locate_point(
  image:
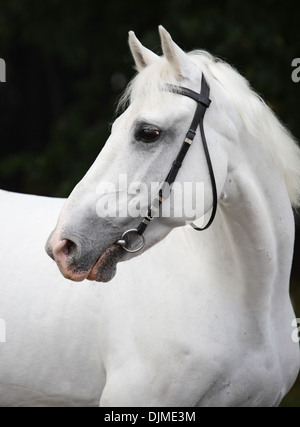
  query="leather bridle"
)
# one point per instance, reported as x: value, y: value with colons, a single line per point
x: 129, y: 237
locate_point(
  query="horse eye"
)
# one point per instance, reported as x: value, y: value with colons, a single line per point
x: 148, y: 134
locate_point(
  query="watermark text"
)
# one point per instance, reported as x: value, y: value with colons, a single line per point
x: 123, y: 199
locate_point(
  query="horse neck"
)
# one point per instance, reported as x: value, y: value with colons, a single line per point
x: 250, y: 244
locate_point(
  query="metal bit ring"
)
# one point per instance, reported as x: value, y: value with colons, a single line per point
x: 124, y: 243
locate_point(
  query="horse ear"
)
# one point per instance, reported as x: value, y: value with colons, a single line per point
x: 179, y: 60
x: 141, y: 55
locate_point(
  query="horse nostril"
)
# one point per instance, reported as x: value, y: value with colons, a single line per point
x: 68, y: 256
x: 64, y: 249
x: 69, y: 248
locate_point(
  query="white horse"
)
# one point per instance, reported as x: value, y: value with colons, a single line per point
x: 199, y: 318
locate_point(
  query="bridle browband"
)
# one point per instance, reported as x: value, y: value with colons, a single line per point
x: 203, y: 102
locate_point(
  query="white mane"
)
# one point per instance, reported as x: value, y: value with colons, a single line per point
x: 258, y: 118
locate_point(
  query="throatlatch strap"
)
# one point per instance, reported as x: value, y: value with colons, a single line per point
x: 212, y: 179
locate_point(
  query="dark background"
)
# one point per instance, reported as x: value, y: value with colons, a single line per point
x: 68, y: 61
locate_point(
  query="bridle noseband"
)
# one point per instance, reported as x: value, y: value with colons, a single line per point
x: 203, y: 102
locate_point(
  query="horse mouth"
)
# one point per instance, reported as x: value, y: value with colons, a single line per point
x: 77, y: 267
x: 105, y: 267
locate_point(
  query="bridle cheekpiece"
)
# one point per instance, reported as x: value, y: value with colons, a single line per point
x: 203, y: 102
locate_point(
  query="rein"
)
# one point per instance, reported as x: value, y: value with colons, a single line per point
x: 129, y: 240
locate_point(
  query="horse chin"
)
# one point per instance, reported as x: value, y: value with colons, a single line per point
x: 105, y: 267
